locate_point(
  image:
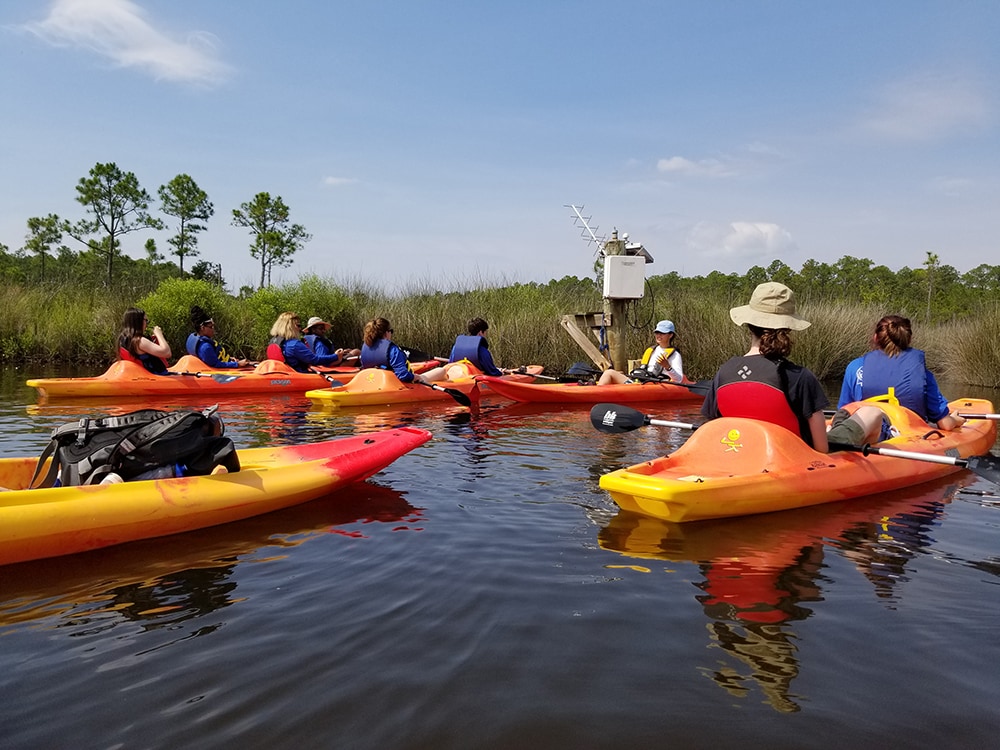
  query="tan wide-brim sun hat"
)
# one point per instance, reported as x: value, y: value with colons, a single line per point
x: 772, y: 305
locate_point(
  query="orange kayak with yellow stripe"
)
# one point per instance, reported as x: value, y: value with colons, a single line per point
x: 63, y: 520
x: 735, y: 467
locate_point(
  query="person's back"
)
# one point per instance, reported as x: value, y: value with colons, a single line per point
x: 474, y: 347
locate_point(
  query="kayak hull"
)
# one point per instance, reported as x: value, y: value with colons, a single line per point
x: 736, y: 467
x: 41, y: 523
x: 131, y: 379
x: 575, y: 393
x: 378, y: 387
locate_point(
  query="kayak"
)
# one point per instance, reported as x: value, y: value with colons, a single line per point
x: 583, y: 393
x: 735, y: 467
x: 377, y: 387
x: 465, y: 369
x: 131, y: 379
x: 41, y: 523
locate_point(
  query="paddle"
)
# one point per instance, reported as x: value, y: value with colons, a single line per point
x: 702, y: 387
x: 615, y: 418
x: 218, y: 377
x: 987, y: 466
x: 459, y: 397
x: 979, y: 416
x: 329, y: 378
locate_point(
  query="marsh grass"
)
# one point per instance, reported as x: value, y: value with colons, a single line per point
x: 70, y: 323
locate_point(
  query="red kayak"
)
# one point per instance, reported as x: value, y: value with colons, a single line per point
x: 577, y: 393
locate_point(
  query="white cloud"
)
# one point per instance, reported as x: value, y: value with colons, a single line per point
x: 337, y: 181
x: 119, y: 31
x: 686, y: 167
x: 928, y: 107
x: 740, y: 240
x: 952, y: 187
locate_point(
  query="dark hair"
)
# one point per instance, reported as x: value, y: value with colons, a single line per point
x: 775, y: 343
x: 133, y: 329
x: 375, y: 329
x: 198, y: 317
x: 893, y: 334
x: 477, y: 326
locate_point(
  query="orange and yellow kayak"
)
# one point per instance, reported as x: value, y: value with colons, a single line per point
x: 577, y: 393
x: 735, y: 467
x: 62, y: 520
x: 377, y: 387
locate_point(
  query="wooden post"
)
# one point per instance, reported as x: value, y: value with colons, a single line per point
x: 614, y: 310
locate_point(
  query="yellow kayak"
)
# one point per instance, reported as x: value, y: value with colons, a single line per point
x: 735, y: 467
x: 377, y: 387
x: 62, y: 520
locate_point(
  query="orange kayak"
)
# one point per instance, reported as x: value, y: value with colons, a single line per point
x: 735, y: 467
x: 63, y: 520
x: 188, y: 376
x: 377, y: 387
x: 577, y: 393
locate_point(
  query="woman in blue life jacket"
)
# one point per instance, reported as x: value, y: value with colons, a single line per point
x: 135, y: 346
x: 893, y: 363
x: 662, y: 360
x: 202, y: 344
x: 316, y: 331
x: 475, y: 348
x: 379, y: 350
x: 763, y: 384
x: 286, y: 345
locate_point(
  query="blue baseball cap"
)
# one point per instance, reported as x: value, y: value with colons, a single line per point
x: 665, y: 326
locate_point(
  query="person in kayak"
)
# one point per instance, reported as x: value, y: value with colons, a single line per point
x: 202, y: 344
x: 475, y: 348
x: 286, y: 345
x: 316, y: 331
x: 135, y: 346
x: 379, y: 350
x: 763, y: 384
x: 893, y: 363
x: 662, y: 360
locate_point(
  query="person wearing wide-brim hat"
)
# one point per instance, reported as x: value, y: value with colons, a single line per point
x: 661, y: 361
x: 763, y: 384
x: 316, y: 331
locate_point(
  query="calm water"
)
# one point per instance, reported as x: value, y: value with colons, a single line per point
x: 483, y: 592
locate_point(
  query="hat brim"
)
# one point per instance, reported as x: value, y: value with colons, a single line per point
x: 744, y: 314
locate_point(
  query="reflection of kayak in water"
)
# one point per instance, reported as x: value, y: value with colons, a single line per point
x: 112, y: 573
x: 62, y: 520
x: 737, y: 467
x: 745, y: 559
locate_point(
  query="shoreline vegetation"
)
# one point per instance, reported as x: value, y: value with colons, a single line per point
x: 77, y: 324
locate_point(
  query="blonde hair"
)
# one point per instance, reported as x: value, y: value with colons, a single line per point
x: 375, y: 329
x: 287, y: 326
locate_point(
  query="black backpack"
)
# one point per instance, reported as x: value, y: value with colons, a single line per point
x: 86, y: 451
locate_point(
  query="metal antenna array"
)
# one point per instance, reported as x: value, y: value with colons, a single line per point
x: 586, y: 232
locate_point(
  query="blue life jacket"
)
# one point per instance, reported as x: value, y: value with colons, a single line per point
x: 906, y: 373
x: 193, y: 341
x: 376, y: 356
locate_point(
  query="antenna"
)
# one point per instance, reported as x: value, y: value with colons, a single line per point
x: 586, y: 232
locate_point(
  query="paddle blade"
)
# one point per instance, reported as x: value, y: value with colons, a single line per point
x: 615, y: 418
x: 988, y: 467
x: 219, y: 378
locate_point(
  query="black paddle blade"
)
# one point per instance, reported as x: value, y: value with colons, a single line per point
x: 988, y: 467
x: 581, y: 370
x: 615, y: 418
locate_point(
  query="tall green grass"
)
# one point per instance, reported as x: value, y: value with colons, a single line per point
x: 70, y: 323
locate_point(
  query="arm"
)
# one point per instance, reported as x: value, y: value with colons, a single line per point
x: 850, y: 389
x: 158, y: 347
x: 296, y: 349
x: 817, y: 429
x: 937, y: 406
x: 210, y: 356
x: 486, y: 360
x: 674, y: 366
x: 400, y: 364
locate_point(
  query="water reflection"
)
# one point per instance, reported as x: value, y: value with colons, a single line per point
x: 166, y: 581
x: 759, y: 572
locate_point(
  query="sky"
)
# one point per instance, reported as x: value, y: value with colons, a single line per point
x: 443, y: 142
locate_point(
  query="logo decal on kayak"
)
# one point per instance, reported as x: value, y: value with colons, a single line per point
x: 281, y: 382
x: 732, y: 441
